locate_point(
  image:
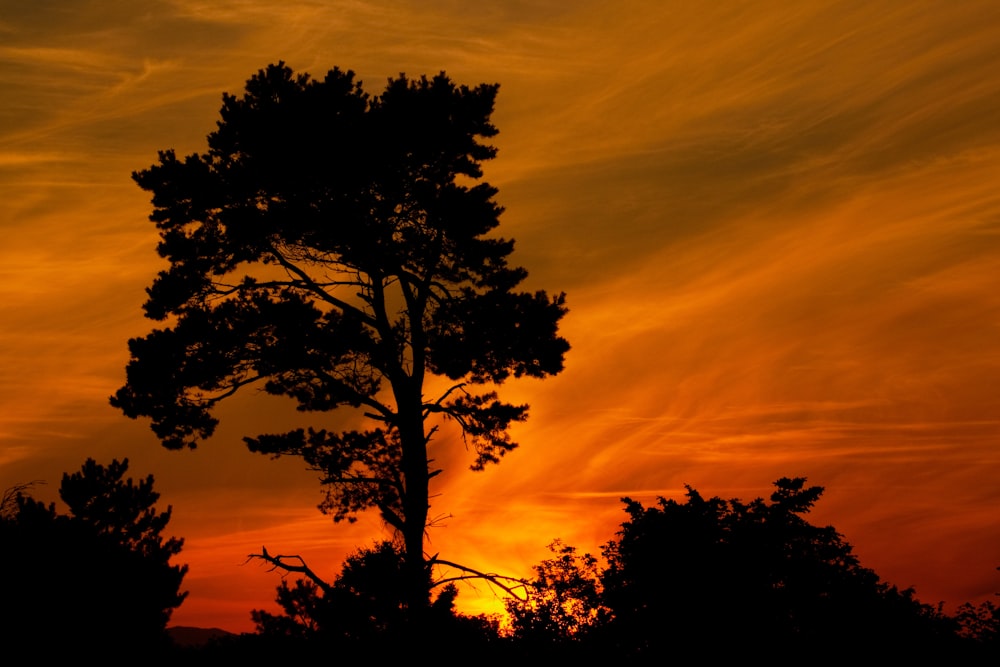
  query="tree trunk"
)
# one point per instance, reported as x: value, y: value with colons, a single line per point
x: 415, y: 508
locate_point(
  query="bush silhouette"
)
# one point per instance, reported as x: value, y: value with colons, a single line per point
x: 724, y: 579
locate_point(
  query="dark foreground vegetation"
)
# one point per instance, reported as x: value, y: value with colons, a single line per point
x: 95, y: 582
x: 707, y: 579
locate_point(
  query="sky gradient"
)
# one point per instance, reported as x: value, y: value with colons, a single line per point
x: 778, y: 228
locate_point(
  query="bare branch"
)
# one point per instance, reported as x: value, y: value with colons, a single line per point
x: 515, y: 588
x: 436, y: 405
x: 8, y: 501
x: 278, y: 563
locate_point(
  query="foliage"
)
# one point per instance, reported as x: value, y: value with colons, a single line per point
x: 757, y: 572
x: 725, y: 579
x: 980, y: 624
x: 334, y: 248
x: 122, y: 511
x: 365, y: 606
x: 366, y: 598
x: 564, y: 601
x: 98, y: 579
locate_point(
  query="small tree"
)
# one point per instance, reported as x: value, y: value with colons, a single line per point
x: 365, y: 601
x: 563, y: 602
x: 98, y: 579
x: 334, y: 248
x: 364, y: 610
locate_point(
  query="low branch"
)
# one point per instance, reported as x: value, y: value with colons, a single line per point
x: 278, y: 563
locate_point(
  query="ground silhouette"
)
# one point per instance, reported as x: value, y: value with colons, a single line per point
x: 706, y: 578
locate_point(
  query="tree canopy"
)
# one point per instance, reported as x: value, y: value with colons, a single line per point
x: 721, y: 579
x: 98, y: 579
x: 336, y: 248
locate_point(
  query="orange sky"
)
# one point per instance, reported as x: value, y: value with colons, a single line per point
x: 778, y: 226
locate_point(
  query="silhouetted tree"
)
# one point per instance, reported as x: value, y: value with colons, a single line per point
x: 979, y: 625
x: 365, y: 600
x: 564, y: 602
x: 365, y: 609
x: 723, y: 579
x: 756, y: 575
x: 95, y: 582
x: 334, y: 248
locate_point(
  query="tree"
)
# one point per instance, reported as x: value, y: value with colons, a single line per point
x: 361, y: 613
x: 365, y: 602
x: 723, y: 579
x: 979, y: 625
x: 98, y: 579
x: 758, y: 574
x: 363, y: 606
x: 334, y: 248
x: 564, y: 601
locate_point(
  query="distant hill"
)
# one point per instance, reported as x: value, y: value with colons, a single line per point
x: 187, y: 636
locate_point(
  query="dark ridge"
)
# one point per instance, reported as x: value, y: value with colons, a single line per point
x: 185, y: 636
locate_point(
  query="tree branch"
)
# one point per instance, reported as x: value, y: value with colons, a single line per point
x: 208, y: 401
x: 315, y: 288
x: 436, y: 405
x: 278, y: 563
x: 515, y: 589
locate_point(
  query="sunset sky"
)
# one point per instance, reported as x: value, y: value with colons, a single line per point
x: 777, y: 225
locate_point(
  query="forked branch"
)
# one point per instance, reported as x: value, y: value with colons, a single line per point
x: 511, y: 585
x: 278, y: 562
